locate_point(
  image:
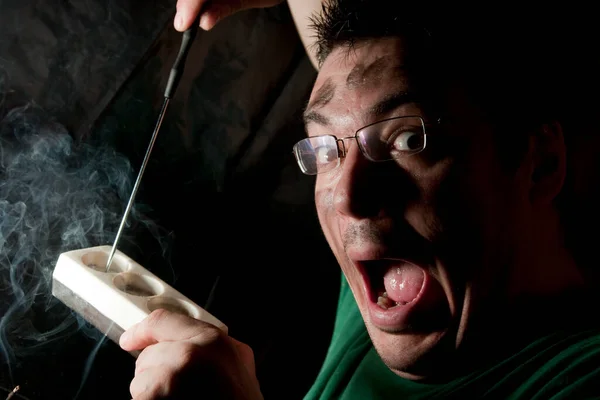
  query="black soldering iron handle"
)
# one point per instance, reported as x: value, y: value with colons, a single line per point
x: 179, y: 65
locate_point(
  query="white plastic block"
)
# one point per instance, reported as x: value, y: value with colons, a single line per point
x: 125, y: 295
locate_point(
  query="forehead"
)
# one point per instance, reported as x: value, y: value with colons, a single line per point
x: 352, y: 82
x: 368, y: 65
x: 383, y: 78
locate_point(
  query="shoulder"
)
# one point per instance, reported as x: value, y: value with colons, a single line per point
x: 568, y: 365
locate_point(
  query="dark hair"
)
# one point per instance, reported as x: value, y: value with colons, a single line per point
x: 343, y: 23
x: 522, y: 67
x: 541, y: 61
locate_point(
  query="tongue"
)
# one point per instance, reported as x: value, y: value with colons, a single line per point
x: 403, y: 283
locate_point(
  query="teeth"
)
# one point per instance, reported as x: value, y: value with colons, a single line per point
x: 384, y: 301
x: 381, y: 302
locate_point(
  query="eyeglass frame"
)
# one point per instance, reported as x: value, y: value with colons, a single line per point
x: 342, y: 152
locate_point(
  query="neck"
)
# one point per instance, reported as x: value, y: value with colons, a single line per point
x: 511, y: 327
x: 547, y: 268
x: 545, y: 293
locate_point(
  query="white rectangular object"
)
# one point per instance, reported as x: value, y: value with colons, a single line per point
x: 124, y: 296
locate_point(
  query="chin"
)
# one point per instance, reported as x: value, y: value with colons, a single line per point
x: 413, y: 337
x: 414, y: 356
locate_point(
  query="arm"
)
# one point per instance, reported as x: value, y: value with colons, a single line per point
x: 301, y: 10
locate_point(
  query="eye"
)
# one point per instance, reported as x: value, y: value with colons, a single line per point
x: 408, y: 141
x: 325, y: 154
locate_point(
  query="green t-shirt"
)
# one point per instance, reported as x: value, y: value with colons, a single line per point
x: 557, y: 366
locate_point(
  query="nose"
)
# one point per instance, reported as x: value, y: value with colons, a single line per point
x: 357, y: 192
x: 369, y: 189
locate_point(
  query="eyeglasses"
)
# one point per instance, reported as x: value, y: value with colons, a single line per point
x: 384, y: 140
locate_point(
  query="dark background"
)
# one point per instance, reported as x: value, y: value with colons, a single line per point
x: 222, y: 183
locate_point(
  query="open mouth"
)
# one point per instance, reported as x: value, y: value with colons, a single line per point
x: 393, y: 283
x: 403, y: 296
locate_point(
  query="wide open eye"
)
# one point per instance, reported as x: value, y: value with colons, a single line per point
x: 408, y: 141
x: 326, y: 154
x: 317, y: 154
x: 392, y: 138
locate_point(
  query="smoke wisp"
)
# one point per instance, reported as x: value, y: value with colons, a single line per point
x: 56, y: 195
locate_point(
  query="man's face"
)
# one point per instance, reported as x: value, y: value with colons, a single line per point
x: 437, y: 231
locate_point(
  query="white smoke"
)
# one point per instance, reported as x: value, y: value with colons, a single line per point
x: 56, y: 195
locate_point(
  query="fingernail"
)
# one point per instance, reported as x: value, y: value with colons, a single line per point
x: 179, y: 21
x: 124, y: 338
x: 204, y: 22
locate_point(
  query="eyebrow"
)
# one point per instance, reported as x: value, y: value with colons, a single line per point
x: 313, y: 116
x: 391, y: 102
x: 384, y: 106
x: 323, y: 95
x: 322, y: 98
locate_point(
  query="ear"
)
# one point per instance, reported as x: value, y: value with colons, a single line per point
x: 549, y: 163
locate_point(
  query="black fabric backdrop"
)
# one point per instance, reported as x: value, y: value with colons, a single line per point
x: 222, y: 183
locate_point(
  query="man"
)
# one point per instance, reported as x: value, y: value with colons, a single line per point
x: 438, y: 145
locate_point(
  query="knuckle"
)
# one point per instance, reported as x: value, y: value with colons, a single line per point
x: 139, y: 365
x: 142, y: 361
x: 139, y: 361
x: 211, y: 335
x: 168, y: 383
x: 163, y: 385
x: 136, y: 388
x: 249, y: 351
x: 187, y: 355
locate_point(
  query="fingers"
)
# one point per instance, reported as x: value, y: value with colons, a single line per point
x: 152, y: 383
x: 224, y: 8
x: 177, y: 350
x: 166, y: 326
x: 187, y: 10
x: 172, y: 355
x: 161, y: 369
x: 217, y: 11
x: 213, y: 11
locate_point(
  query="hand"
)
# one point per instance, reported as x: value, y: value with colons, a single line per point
x: 213, y: 11
x: 186, y: 358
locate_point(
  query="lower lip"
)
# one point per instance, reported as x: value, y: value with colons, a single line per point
x: 398, y: 318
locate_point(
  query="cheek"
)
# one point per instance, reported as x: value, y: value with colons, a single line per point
x: 426, y: 208
x: 475, y: 204
x: 325, y: 207
x: 325, y: 195
x: 328, y: 216
x: 324, y: 200
x: 460, y: 199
